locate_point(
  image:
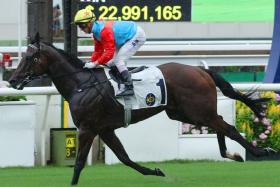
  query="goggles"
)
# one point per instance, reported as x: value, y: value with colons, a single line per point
x: 82, y: 25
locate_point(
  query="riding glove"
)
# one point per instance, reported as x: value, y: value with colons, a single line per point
x: 90, y: 65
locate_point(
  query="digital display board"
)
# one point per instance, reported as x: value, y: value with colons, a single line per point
x: 140, y: 10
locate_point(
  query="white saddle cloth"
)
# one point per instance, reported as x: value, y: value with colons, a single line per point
x: 150, y: 90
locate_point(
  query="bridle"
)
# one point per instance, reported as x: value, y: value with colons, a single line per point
x: 30, y: 75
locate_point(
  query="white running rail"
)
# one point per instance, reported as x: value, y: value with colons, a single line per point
x: 49, y: 91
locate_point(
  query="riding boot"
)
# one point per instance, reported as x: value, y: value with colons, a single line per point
x: 127, y: 90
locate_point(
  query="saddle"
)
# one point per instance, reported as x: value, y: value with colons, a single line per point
x: 149, y: 88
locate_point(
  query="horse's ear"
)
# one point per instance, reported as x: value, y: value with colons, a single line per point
x: 37, y: 38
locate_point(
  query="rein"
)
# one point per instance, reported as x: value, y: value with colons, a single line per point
x: 67, y: 74
x: 81, y: 87
x: 91, y: 82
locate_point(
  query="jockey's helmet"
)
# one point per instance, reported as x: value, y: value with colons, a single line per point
x: 84, y: 15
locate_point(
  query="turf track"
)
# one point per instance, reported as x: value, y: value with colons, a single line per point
x: 179, y: 174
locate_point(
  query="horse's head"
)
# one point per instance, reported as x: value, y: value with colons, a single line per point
x: 31, y: 66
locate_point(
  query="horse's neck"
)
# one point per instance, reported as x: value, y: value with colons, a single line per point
x: 65, y: 75
x: 68, y: 77
x: 65, y: 80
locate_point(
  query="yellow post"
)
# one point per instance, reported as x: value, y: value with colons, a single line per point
x: 65, y: 114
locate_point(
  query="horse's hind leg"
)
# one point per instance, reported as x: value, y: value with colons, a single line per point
x: 85, y: 139
x: 116, y: 146
x: 223, y: 149
x: 221, y: 127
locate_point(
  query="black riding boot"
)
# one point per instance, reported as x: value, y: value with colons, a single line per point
x: 128, y: 85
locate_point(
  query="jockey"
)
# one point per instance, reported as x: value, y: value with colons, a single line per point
x: 115, y: 42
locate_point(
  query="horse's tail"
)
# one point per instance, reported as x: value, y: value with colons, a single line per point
x: 256, y: 105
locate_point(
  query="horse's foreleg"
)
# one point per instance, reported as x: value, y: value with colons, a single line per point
x: 116, y: 146
x: 85, y: 139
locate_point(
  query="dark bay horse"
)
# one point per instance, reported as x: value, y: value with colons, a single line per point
x: 192, y: 98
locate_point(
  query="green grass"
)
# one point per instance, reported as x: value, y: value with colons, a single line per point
x: 179, y: 174
x: 233, y: 11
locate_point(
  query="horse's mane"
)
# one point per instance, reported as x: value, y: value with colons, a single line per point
x: 70, y: 57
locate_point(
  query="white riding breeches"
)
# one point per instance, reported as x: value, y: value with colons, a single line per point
x: 128, y: 49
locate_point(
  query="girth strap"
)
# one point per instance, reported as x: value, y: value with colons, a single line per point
x: 127, y: 110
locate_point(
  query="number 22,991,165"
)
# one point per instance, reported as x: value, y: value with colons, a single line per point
x: 162, y: 13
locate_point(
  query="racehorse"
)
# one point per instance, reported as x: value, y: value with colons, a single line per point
x: 192, y: 98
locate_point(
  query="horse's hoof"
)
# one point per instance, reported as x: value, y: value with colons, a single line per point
x: 159, y: 172
x: 74, y: 183
x: 238, y: 158
x: 270, y: 151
